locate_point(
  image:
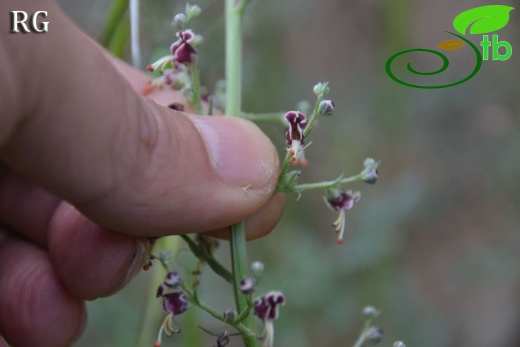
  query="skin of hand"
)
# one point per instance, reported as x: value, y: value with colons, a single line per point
x: 89, y: 167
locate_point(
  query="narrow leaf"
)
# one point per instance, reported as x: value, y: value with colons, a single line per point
x: 483, y: 19
x: 451, y: 45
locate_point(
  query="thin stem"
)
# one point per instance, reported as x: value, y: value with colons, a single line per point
x: 233, y: 59
x: 218, y: 268
x: 244, y: 314
x: 234, y: 16
x: 362, y: 337
x: 233, y: 108
x: 315, y: 116
x: 116, y: 13
x: 326, y: 184
x: 195, y: 87
x: 214, y: 313
x: 239, y: 263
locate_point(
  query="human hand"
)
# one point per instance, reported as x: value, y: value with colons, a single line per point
x: 83, y: 156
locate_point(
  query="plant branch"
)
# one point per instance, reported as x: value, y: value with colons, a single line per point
x: 218, y: 268
x: 195, y: 87
x: 234, y: 15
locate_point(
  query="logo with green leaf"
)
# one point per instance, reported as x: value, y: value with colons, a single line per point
x: 476, y: 21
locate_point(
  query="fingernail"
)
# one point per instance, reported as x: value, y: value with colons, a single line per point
x: 135, y: 264
x: 242, y: 154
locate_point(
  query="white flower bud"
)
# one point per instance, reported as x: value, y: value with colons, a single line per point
x: 399, y: 344
x: 193, y: 11
x: 257, y: 268
x: 370, y: 312
x: 321, y: 88
x: 180, y: 20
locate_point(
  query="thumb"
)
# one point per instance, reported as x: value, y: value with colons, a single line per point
x: 79, y: 130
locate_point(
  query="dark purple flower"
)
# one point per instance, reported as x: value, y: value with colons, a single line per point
x: 340, y: 200
x: 297, y: 123
x: 181, y: 49
x: 266, y: 307
x: 175, y: 303
x: 294, y: 136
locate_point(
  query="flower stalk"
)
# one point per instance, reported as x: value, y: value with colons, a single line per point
x: 234, y: 17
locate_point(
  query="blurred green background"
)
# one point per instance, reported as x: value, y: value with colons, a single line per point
x: 435, y: 244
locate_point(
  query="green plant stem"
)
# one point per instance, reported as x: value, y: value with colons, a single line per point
x: 218, y: 268
x: 239, y: 263
x: 362, y: 337
x: 326, y: 184
x: 195, y: 87
x: 315, y: 116
x: 116, y: 14
x: 237, y: 240
x: 233, y: 59
x: 194, y: 299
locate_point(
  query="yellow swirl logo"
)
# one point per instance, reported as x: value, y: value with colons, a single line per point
x: 479, y: 20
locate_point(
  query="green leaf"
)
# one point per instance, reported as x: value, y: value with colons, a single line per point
x: 483, y: 19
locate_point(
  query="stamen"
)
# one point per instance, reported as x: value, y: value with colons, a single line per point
x: 268, y: 334
x: 159, y: 336
x: 342, y: 224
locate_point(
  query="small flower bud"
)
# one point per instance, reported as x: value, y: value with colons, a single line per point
x: 173, y: 279
x: 399, y: 344
x: 370, y: 173
x: 257, y: 268
x: 326, y: 108
x: 370, y: 312
x: 230, y: 315
x: 247, y: 285
x: 374, y: 335
x: 321, y: 88
x: 165, y: 257
x: 179, y: 21
x: 193, y: 11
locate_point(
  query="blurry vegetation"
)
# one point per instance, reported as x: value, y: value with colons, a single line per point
x: 435, y: 244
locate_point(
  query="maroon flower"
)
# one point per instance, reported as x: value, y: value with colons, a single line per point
x: 340, y: 200
x: 175, y: 303
x: 181, y: 49
x: 294, y: 136
x: 266, y: 307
